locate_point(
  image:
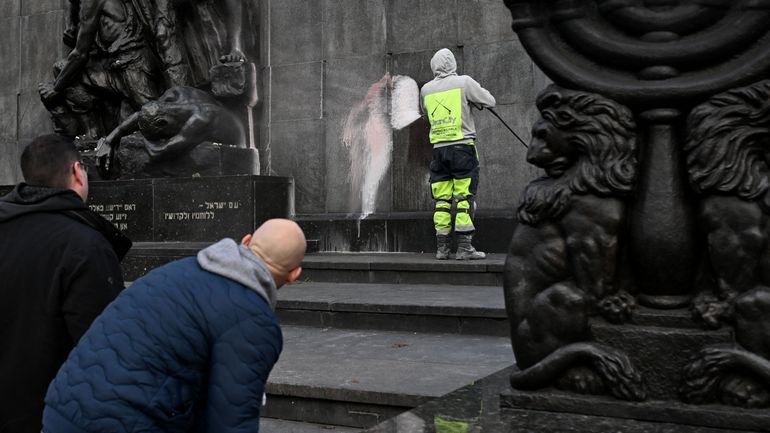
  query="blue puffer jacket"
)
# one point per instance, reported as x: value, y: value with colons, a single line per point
x: 184, y: 349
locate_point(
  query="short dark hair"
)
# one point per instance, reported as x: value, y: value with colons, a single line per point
x: 46, y: 161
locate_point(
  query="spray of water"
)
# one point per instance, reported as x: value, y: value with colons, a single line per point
x: 390, y: 103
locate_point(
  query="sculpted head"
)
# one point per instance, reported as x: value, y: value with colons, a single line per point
x: 586, y: 144
x: 280, y: 243
x: 157, y: 120
x: 728, y: 144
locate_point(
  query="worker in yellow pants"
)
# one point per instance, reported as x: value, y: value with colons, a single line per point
x: 454, y: 177
x: 454, y: 171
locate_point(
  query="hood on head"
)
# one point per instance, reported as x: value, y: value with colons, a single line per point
x: 443, y: 63
x: 26, y: 199
x: 238, y: 263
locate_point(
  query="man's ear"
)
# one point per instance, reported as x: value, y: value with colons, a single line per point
x: 246, y: 239
x: 293, y: 275
x: 77, y: 170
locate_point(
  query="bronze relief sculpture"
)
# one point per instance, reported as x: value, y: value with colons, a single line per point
x: 565, y: 253
x: 132, y: 57
x: 660, y: 227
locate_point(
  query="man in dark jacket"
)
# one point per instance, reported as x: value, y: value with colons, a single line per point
x: 57, y: 273
x: 186, y: 348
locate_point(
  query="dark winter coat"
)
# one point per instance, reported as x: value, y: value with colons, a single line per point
x: 57, y: 273
x: 186, y: 348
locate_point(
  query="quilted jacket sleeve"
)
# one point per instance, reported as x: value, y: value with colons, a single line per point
x: 241, y: 361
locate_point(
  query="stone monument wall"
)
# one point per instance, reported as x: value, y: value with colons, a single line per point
x: 324, y: 56
x: 30, y: 41
x: 316, y: 61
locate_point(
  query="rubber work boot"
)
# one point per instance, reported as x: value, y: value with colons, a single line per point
x: 465, y: 250
x: 442, y: 247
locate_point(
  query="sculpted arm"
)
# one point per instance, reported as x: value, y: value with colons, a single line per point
x: 90, y: 11
x: 127, y: 127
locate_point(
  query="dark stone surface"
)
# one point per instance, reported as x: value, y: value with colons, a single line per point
x: 498, y: 150
x: 346, y: 82
x: 658, y: 353
x: 33, y: 7
x: 493, y: 65
x: 436, y: 308
x: 130, y: 205
x: 10, y: 8
x: 10, y: 172
x: 296, y: 91
x: 354, y: 28
x: 395, y: 322
x: 480, y: 23
x: 479, y: 405
x: 195, y: 210
x: 192, y: 209
x: 37, y: 58
x: 328, y: 411
x: 10, y: 32
x: 721, y: 417
x: 416, y: 64
x: 33, y: 118
x: 412, y: 25
x: 204, y: 160
x: 337, y: 157
x: 295, y: 31
x: 399, y: 231
x: 411, y: 158
x: 8, y: 126
x: 298, y: 151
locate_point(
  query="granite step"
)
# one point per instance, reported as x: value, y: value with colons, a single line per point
x: 454, y: 309
x: 358, y: 378
x: 272, y: 425
x: 375, y: 268
x: 401, y: 268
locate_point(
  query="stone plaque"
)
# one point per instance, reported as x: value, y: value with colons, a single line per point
x: 128, y: 205
x: 203, y: 209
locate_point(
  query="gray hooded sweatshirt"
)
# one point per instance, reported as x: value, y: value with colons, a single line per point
x: 238, y: 263
x: 445, y: 100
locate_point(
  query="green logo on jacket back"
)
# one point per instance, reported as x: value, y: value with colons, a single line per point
x: 445, y: 115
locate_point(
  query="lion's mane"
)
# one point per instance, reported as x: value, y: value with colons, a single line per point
x: 604, y: 134
x: 726, y: 140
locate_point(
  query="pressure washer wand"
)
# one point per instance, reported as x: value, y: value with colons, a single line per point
x: 503, y: 122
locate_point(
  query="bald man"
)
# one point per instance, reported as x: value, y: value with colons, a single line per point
x: 188, y: 347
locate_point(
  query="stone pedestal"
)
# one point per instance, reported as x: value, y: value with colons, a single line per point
x: 202, y: 209
x: 659, y: 343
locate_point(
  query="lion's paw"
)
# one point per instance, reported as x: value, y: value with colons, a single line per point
x: 743, y: 391
x: 711, y: 311
x: 581, y: 380
x: 617, y: 308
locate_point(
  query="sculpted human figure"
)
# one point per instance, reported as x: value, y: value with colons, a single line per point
x: 563, y: 261
x: 728, y: 151
x: 110, y: 64
x: 179, y: 120
x: 162, y: 16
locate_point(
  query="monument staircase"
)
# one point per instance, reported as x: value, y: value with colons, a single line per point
x: 370, y: 335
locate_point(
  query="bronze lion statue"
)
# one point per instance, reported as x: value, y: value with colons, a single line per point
x: 727, y: 151
x: 563, y: 262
